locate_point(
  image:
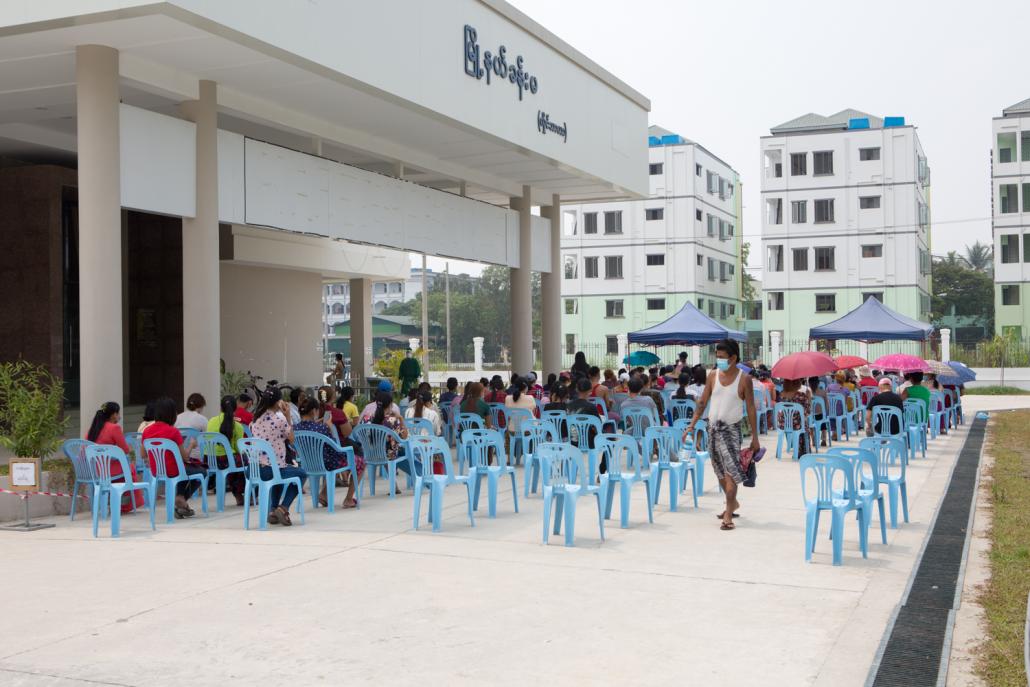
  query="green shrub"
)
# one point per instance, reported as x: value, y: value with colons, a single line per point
x: 31, y: 401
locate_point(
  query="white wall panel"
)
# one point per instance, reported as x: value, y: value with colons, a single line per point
x: 231, y: 191
x: 158, y: 162
x: 541, y: 233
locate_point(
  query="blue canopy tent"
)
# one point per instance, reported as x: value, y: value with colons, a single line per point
x: 872, y: 322
x: 688, y: 327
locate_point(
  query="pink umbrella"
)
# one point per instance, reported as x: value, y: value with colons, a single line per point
x: 846, y: 362
x: 804, y: 364
x: 900, y: 362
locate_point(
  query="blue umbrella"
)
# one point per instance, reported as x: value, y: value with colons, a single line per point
x: 962, y: 371
x: 641, y: 359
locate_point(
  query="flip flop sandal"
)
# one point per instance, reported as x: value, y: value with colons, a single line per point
x: 353, y: 504
x: 719, y: 516
x: 181, y: 513
x: 727, y: 526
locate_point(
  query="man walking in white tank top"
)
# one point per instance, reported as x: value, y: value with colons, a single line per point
x: 725, y: 388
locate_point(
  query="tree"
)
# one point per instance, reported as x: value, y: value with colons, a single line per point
x: 747, y: 286
x: 980, y: 257
x: 960, y: 290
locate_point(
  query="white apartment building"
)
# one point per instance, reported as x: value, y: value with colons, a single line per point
x: 336, y: 295
x: 845, y: 216
x: 1010, y: 179
x: 631, y: 264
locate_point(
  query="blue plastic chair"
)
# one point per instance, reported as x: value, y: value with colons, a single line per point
x: 135, y: 442
x: 938, y: 413
x: 189, y: 434
x: 558, y: 420
x: 624, y: 467
x: 635, y: 422
x: 311, y: 448
x: 562, y: 489
x: 466, y: 421
x: 784, y: 415
x: 956, y: 406
x: 580, y: 428
x: 681, y: 409
x: 424, y: 450
x: 915, y: 429
x: 419, y: 426
x: 857, y: 413
x: 660, y: 448
x: 156, y: 450
x: 209, y: 443
x: 476, y: 445
x: 826, y: 467
x: 517, y: 416
x: 697, y: 447
x: 531, y: 434
x: 838, y: 407
x: 890, y: 452
x: 498, y: 415
x: 99, y: 459
x: 253, y: 450
x: 375, y: 442
x: 867, y: 478
x: 759, y: 393
x: 75, y: 451
x: 821, y: 424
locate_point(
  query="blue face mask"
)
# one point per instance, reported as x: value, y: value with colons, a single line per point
x: 722, y: 363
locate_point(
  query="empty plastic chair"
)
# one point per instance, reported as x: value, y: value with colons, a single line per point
x: 311, y: 448
x: 531, y: 434
x: 790, y: 428
x: 697, y: 448
x: 819, y: 421
x: 938, y: 414
x: 75, y: 451
x: 210, y: 442
x: 661, y: 450
x: 624, y: 464
x: 581, y: 428
x: 890, y: 453
x: 159, y: 453
x: 517, y: 416
x: 826, y: 468
x: 478, y: 445
x: 100, y: 459
x: 915, y: 427
x: 562, y: 489
x: 425, y: 451
x: 258, y: 452
x: 867, y: 482
x: 377, y: 444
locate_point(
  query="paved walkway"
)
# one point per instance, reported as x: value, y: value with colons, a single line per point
x: 358, y: 597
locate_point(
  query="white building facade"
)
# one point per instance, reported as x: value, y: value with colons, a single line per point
x: 336, y: 295
x: 1010, y: 220
x: 845, y: 217
x: 632, y: 264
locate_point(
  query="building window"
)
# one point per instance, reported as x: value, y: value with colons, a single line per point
x: 775, y: 300
x: 613, y: 308
x: 396, y: 287
x: 722, y: 311
x: 822, y: 163
x: 1009, y: 248
x: 380, y: 287
x: 868, y: 154
x: 337, y: 308
x: 1007, y: 197
x: 825, y: 302
x: 1026, y: 197
x: 655, y: 259
x: 798, y: 164
x: 773, y: 164
x: 824, y: 211
x: 613, y: 222
x: 800, y: 259
x: 924, y: 215
x: 571, y: 306
x: 724, y: 189
x: 874, y: 250
x: 711, y: 269
x: 1007, y: 146
x: 656, y: 304
x: 824, y: 259
x: 1024, y: 144
x: 799, y: 211
x: 697, y: 170
x: 711, y: 225
x: 878, y: 295
x: 700, y: 303
x: 590, y: 267
x: 570, y: 344
x: 699, y: 215
x: 711, y: 308
x: 774, y: 210
x: 700, y: 259
x: 611, y: 344
x: 613, y: 267
x: 1010, y: 294
x: 868, y: 202
x: 655, y: 168
x: 654, y: 213
x: 1012, y: 331
x: 570, y: 266
x: 732, y: 309
x: 1026, y: 249
x: 775, y: 258
x: 712, y: 182
x: 729, y: 229
x: 589, y: 222
x: 722, y: 229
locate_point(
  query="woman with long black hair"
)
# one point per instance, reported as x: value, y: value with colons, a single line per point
x: 162, y: 428
x: 226, y: 424
x: 271, y: 424
x: 384, y: 416
x: 106, y: 431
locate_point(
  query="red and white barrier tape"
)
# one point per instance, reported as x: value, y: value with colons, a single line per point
x: 26, y: 494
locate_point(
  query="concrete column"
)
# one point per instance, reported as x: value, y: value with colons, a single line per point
x: 413, y: 344
x: 945, y: 345
x: 100, y: 229
x: 695, y: 355
x: 201, y: 316
x: 361, y: 353
x: 521, y: 290
x: 622, y: 341
x: 550, y: 295
x: 775, y: 342
x: 477, y: 353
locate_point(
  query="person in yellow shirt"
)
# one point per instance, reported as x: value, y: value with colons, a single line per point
x: 345, y: 402
x: 232, y: 429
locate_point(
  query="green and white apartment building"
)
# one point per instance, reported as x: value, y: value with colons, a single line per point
x: 1010, y: 184
x: 632, y: 264
x: 845, y: 216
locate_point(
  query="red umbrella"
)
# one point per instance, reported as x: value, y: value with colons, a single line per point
x: 846, y: 362
x: 804, y: 364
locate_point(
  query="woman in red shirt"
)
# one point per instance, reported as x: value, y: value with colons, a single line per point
x: 164, y: 419
x: 106, y: 431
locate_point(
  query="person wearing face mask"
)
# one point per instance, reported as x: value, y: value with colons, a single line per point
x: 725, y: 388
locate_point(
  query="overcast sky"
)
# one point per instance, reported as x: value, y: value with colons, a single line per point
x: 722, y: 73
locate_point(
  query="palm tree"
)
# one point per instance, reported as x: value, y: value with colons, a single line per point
x: 980, y: 257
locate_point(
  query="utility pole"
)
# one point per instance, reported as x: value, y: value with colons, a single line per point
x: 447, y: 308
x: 425, y: 321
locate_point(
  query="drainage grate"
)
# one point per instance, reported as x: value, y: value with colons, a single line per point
x: 912, y: 654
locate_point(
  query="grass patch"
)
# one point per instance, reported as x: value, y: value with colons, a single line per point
x: 996, y: 391
x: 1004, y: 596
